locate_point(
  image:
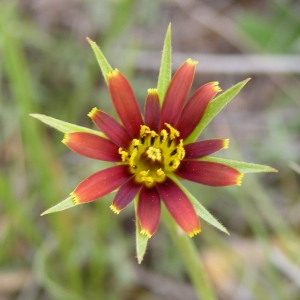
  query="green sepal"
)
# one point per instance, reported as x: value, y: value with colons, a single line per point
x: 141, y: 240
x: 102, y: 61
x: 65, y: 204
x: 213, y: 108
x: 241, y: 166
x: 165, y: 72
x: 201, y: 211
x: 63, y: 126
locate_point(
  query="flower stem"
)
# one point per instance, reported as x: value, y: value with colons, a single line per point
x: 191, y: 258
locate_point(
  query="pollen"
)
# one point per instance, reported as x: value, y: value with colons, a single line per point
x: 173, y: 132
x: 154, y: 154
x: 124, y: 154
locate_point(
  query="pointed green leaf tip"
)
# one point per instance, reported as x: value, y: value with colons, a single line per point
x: 102, y: 61
x: 241, y: 166
x: 63, y: 126
x: 65, y: 204
x: 141, y: 240
x: 213, y: 108
x: 165, y: 72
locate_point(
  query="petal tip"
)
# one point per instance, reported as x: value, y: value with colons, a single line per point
x: 191, y: 62
x: 74, y: 198
x: 152, y: 91
x: 226, y: 144
x: 146, y: 233
x: 194, y: 232
x: 113, y: 74
x: 65, y: 139
x: 115, y: 209
x: 239, y: 179
x: 216, y: 86
x: 93, y: 112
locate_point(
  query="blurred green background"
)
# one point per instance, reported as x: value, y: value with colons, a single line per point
x: 46, y: 66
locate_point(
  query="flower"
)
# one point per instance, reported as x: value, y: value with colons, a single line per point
x: 148, y: 151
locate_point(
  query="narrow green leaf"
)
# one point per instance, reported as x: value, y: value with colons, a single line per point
x: 201, y: 211
x: 102, y: 61
x: 214, y: 107
x: 165, y: 72
x: 141, y: 240
x: 65, y: 204
x: 243, y: 167
x: 63, y: 126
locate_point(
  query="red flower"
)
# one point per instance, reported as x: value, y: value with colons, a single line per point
x: 148, y: 149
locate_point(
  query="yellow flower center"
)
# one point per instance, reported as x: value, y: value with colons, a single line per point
x: 153, y: 155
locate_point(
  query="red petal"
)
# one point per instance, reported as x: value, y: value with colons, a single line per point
x: 195, y: 108
x: 204, y: 148
x: 152, y: 110
x: 179, y: 206
x: 125, y: 103
x: 93, y: 146
x: 100, y: 184
x: 209, y: 173
x: 110, y: 127
x: 125, y: 195
x: 148, y: 210
x: 177, y: 93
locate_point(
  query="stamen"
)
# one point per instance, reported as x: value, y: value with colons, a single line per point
x: 163, y: 136
x: 132, y: 157
x: 173, y: 132
x: 146, y: 130
x: 123, y: 153
x: 145, y: 178
x: 135, y: 143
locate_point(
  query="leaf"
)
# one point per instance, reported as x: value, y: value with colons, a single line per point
x: 65, y: 204
x: 213, y: 108
x: 102, y: 61
x: 201, y: 211
x: 63, y: 126
x: 241, y: 166
x: 165, y: 72
x: 141, y: 240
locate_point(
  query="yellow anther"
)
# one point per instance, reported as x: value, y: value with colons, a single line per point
x: 164, y: 134
x: 160, y: 172
x: 135, y: 142
x: 132, y: 157
x: 145, y: 178
x: 176, y: 163
x: 180, y: 151
x: 123, y: 153
x: 154, y: 154
x: 173, y: 132
x: 146, y: 130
